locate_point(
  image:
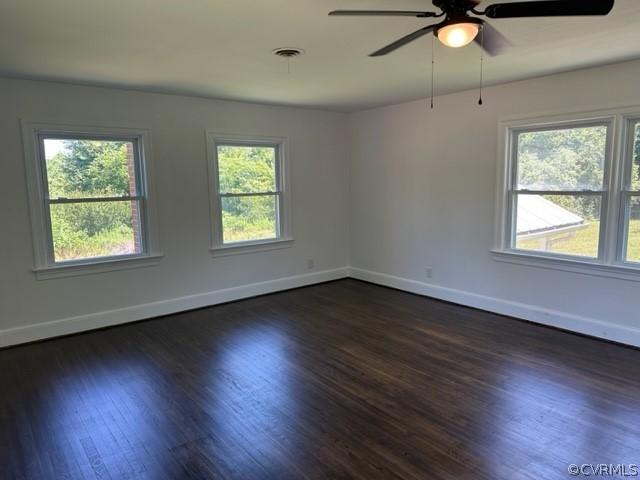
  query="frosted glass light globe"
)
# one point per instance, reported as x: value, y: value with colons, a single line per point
x: 458, y: 34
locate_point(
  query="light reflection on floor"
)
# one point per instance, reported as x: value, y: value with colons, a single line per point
x: 534, y: 405
x: 88, y: 413
x: 253, y: 391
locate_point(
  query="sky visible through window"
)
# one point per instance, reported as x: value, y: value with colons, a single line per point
x: 52, y: 147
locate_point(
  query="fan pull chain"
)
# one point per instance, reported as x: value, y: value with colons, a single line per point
x: 481, y: 61
x: 433, y: 63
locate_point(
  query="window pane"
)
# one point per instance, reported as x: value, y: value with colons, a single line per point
x: 95, y: 229
x: 635, y: 173
x: 633, y: 238
x: 563, y: 159
x: 89, y: 168
x: 567, y: 224
x: 246, y: 169
x: 249, y: 218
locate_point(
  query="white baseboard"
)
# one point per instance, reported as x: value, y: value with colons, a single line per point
x: 56, y: 328
x: 566, y: 321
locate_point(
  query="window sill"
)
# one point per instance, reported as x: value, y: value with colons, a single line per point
x: 251, y: 247
x: 584, y: 267
x: 100, y: 266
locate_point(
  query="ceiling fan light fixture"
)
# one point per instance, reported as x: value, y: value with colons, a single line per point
x: 457, y: 35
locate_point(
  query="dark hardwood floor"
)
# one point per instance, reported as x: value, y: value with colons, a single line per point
x: 340, y: 380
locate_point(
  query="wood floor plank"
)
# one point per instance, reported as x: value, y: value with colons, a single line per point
x: 343, y: 380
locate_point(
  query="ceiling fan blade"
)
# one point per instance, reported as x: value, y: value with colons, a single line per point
x: 382, y: 13
x: 549, y: 8
x: 493, y: 42
x: 404, y: 40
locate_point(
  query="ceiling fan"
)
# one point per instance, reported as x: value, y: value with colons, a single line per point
x: 458, y: 28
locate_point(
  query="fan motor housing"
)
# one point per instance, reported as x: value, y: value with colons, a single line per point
x: 454, y: 5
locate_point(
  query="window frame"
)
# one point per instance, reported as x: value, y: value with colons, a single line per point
x: 284, y: 237
x: 45, y: 265
x: 611, y: 261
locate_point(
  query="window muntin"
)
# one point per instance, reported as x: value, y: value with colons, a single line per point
x: 557, y: 191
x: 93, y: 197
x: 249, y: 186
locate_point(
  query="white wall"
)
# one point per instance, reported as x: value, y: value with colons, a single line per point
x: 188, y: 276
x: 423, y: 185
x: 420, y: 185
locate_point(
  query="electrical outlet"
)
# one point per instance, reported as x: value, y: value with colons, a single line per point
x: 428, y: 272
x: 311, y: 264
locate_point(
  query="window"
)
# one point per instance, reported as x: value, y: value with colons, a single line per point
x: 631, y: 194
x: 249, y: 208
x: 558, y: 191
x: 89, y: 196
x: 571, y: 193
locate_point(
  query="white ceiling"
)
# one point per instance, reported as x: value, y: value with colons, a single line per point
x: 221, y: 48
